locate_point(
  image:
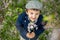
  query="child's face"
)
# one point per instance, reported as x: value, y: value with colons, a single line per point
x: 33, y: 14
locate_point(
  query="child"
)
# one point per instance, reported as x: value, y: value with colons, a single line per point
x: 29, y: 23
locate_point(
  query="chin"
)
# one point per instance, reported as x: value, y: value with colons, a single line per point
x: 32, y: 20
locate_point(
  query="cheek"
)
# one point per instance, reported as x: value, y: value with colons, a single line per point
x: 30, y: 16
x: 37, y: 16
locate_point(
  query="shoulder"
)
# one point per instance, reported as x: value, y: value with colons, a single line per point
x: 21, y: 16
x: 40, y: 17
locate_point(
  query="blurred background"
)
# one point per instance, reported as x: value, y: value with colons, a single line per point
x: 10, y: 9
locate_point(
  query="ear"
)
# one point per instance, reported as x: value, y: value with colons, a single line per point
x: 40, y: 11
x: 26, y: 12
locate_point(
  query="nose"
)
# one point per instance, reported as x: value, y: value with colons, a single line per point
x: 34, y: 17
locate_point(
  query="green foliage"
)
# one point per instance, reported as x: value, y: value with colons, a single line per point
x: 9, y: 31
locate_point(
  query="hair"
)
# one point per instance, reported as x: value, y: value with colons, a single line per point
x: 32, y: 9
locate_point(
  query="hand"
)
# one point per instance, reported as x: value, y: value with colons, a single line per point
x: 30, y: 35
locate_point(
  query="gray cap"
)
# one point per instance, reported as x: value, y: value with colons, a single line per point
x: 34, y: 5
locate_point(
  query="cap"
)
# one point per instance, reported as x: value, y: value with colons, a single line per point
x: 34, y: 5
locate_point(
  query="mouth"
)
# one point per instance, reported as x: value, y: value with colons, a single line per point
x: 33, y: 18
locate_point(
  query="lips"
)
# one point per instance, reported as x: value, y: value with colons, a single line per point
x: 33, y: 18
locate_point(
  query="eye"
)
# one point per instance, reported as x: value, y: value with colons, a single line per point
x: 37, y: 14
x: 32, y: 13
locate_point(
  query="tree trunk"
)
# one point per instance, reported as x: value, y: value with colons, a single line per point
x: 55, y: 34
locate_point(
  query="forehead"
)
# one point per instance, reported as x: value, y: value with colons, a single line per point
x: 33, y: 10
